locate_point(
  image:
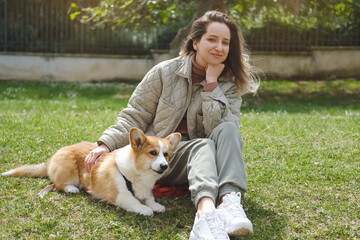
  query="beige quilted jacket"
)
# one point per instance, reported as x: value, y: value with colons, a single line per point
x: 164, y: 95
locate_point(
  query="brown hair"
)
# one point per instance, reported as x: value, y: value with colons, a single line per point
x: 237, y: 62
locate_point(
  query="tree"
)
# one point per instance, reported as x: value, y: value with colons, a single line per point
x: 142, y: 14
x: 132, y: 14
x: 301, y: 14
x: 250, y: 14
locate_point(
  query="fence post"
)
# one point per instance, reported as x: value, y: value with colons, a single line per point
x: 5, y: 26
x: 0, y: 22
x: 81, y: 38
x: 317, y: 25
x: 156, y: 38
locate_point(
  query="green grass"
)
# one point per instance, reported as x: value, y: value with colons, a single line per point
x: 301, y: 147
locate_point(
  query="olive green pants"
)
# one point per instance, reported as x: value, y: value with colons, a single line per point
x: 212, y: 166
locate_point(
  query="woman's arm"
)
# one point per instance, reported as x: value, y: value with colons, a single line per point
x: 221, y: 105
x: 139, y: 112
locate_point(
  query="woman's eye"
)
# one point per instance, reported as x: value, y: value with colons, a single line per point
x: 226, y: 43
x: 153, y: 153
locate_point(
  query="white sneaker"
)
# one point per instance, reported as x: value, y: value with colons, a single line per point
x: 236, y: 224
x: 211, y: 226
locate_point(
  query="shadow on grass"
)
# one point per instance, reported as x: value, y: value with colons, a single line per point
x: 289, y: 96
x: 298, y: 100
x: 53, y: 90
x: 177, y: 221
x: 83, y: 215
x: 267, y: 224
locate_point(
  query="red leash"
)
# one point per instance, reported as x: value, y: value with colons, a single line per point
x: 165, y: 189
x: 86, y: 190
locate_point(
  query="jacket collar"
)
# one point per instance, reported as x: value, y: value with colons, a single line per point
x: 185, y: 68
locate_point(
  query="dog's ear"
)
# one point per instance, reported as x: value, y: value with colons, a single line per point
x: 137, y: 138
x: 174, y: 140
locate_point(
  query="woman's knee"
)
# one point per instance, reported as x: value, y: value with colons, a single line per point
x: 205, y: 143
x: 226, y: 133
x: 226, y: 129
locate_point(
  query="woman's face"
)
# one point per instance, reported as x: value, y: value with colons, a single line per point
x: 213, y: 47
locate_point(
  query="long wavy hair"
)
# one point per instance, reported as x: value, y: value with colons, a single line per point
x: 237, y: 62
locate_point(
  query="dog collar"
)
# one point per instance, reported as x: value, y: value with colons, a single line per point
x: 128, y: 184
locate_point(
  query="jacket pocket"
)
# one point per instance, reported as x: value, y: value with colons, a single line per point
x: 165, y: 113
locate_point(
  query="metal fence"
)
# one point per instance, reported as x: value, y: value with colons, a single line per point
x: 45, y: 26
x: 286, y: 39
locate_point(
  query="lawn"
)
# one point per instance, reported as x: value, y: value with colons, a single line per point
x: 301, y: 148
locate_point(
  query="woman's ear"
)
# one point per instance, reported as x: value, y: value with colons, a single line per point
x: 195, y: 45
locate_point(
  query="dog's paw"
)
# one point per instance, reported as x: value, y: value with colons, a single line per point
x: 145, y: 210
x: 71, y: 189
x: 157, y: 207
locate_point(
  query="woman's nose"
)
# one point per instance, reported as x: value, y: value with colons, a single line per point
x: 219, y: 46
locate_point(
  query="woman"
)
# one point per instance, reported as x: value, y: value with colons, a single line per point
x: 199, y: 95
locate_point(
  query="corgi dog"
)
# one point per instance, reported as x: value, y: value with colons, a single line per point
x: 124, y: 177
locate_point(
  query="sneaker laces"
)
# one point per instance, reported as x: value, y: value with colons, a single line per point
x: 233, y: 206
x: 216, y: 224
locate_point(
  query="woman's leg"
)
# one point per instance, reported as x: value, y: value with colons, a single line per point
x: 212, y: 166
x: 194, y: 162
x: 207, y: 164
x: 232, y: 178
x: 229, y: 161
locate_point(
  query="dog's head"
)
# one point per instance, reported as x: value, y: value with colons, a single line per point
x: 152, y: 153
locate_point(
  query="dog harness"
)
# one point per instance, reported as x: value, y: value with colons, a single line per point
x: 128, y: 184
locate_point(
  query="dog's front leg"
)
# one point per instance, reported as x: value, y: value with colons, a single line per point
x: 157, y: 207
x: 128, y: 202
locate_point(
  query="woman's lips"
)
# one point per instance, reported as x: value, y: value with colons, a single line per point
x: 216, y: 55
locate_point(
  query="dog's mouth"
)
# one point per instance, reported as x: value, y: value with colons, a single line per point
x: 158, y: 171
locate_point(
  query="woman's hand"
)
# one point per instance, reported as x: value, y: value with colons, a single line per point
x: 213, y: 72
x: 94, y: 156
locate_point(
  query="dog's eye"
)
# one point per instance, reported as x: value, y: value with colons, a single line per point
x: 165, y: 154
x: 153, y: 153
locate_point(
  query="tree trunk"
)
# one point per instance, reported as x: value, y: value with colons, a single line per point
x: 201, y: 7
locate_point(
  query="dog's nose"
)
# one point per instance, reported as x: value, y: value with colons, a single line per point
x: 163, y: 166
